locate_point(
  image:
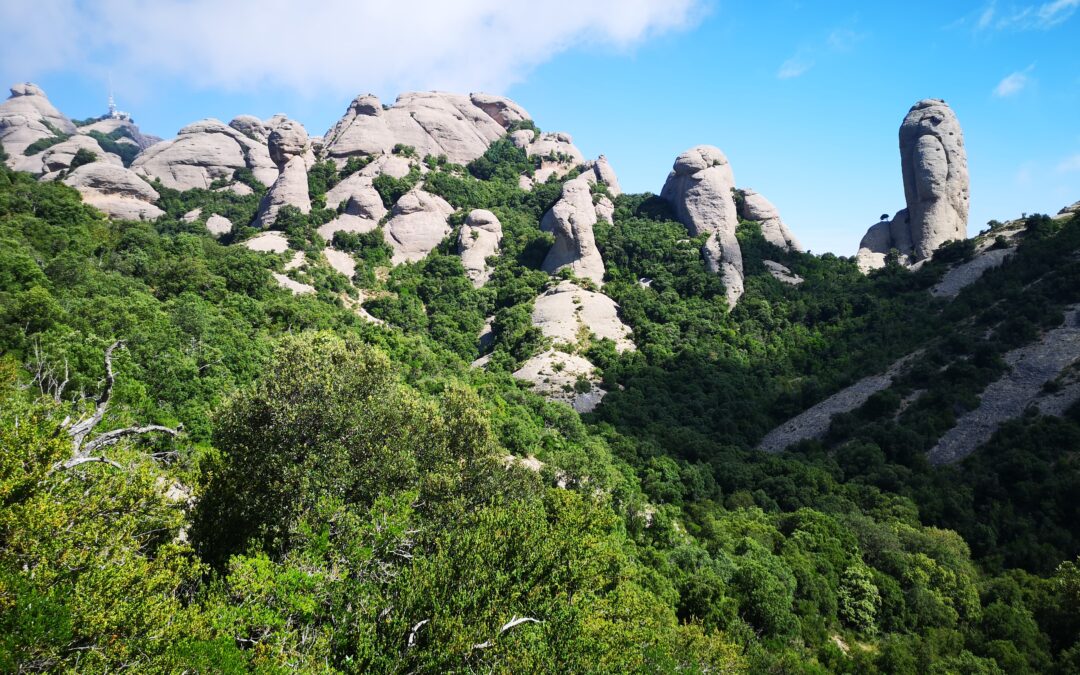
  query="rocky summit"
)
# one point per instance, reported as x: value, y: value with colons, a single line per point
x: 933, y: 162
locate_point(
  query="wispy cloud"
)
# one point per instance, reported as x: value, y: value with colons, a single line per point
x: 1028, y: 16
x: 1014, y: 83
x: 839, y: 40
x: 331, y: 46
x: 1069, y: 164
x: 794, y: 67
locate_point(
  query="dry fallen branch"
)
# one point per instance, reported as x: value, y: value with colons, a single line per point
x: 516, y: 621
x: 81, y: 448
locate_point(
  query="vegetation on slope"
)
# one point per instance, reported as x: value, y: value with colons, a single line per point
x: 341, y: 498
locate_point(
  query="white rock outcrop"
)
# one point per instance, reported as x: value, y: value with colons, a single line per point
x: 478, y: 240
x: 116, y: 191
x: 124, y: 130
x: 605, y: 175
x: 202, y: 153
x: 569, y: 314
x: 571, y: 220
x: 699, y: 189
x: 556, y: 153
x: 60, y: 156
x: 360, y: 197
x: 288, y: 147
x: 936, y: 188
x: 754, y: 206
x: 218, y: 226
x: 28, y: 116
x: 417, y: 225
x: 434, y: 123
x: 268, y: 242
x: 563, y: 377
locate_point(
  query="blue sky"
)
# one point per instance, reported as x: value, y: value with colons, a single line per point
x: 804, y: 98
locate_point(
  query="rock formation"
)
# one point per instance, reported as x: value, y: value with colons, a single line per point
x: 288, y: 146
x: 556, y: 152
x: 217, y: 225
x: 202, y: 153
x: 699, y: 189
x: 434, y: 123
x: 59, y: 157
x: 478, y: 240
x: 571, y: 219
x: 116, y: 191
x: 28, y: 116
x: 934, y: 166
x: 559, y: 376
x: 754, y: 206
x: 605, y: 175
x: 566, y: 313
x: 417, y: 224
x: 124, y: 130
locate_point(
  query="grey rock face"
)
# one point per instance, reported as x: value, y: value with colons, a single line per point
x: 936, y: 188
x: 60, y: 156
x: 499, y: 108
x: 572, y: 220
x: 129, y: 132
x: 202, y: 153
x: 478, y: 240
x: 435, y: 123
x: 601, y: 168
x: 936, y: 185
x: 417, y: 225
x: 567, y: 311
x: 754, y: 206
x: 25, y: 117
x: 116, y: 191
x: 699, y: 190
x: 288, y: 147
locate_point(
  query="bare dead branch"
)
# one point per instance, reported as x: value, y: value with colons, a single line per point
x: 412, y: 633
x: 76, y: 461
x: 111, y: 437
x: 81, y: 429
x: 516, y: 621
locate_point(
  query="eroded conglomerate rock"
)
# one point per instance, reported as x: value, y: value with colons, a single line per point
x: 28, y: 116
x: 478, y: 240
x: 417, y: 224
x: 116, y: 191
x: 936, y: 189
x: 699, y: 189
x: 202, y: 153
x: 123, y: 131
x: 433, y: 123
x: 571, y: 220
x: 569, y: 378
x: 571, y: 315
x: 60, y: 156
x: 288, y: 146
x: 754, y: 206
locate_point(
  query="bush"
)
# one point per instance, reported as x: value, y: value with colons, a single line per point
x: 110, y: 143
x: 83, y: 156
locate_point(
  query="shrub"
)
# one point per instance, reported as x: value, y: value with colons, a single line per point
x: 83, y: 156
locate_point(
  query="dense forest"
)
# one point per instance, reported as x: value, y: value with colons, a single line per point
x: 201, y: 472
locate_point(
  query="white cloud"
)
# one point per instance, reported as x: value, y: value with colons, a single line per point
x: 1014, y: 83
x: 1023, y: 17
x: 337, y: 46
x: 794, y: 67
x: 1069, y: 164
x: 1053, y: 13
x: 838, y: 41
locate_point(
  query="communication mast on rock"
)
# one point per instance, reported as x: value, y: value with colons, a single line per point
x: 114, y: 112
